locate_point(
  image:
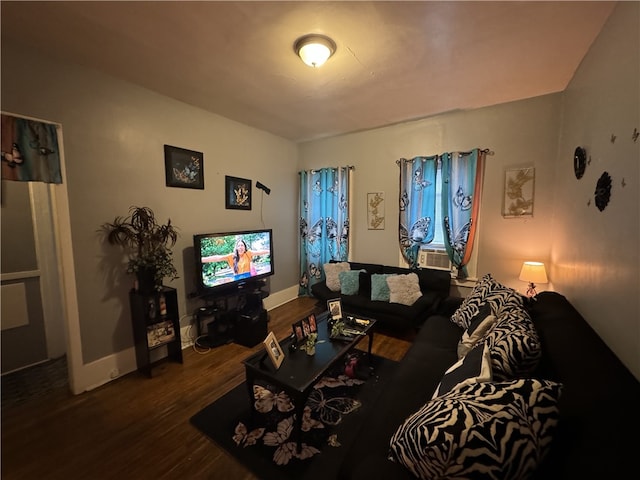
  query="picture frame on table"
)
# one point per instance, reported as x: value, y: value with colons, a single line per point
x: 313, y: 324
x: 298, y: 331
x: 335, y: 308
x: 306, y: 328
x: 276, y: 354
x: 237, y: 193
x: 183, y: 168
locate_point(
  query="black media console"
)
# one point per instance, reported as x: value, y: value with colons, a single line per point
x: 236, y: 316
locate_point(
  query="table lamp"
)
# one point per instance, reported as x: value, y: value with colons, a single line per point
x: 533, y: 272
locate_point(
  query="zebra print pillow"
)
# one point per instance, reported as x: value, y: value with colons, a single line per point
x: 514, y: 345
x: 486, y: 291
x: 489, y: 430
x: 471, y: 304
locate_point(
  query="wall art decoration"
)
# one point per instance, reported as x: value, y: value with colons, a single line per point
x: 603, y: 191
x: 183, y: 168
x: 519, y: 188
x: 375, y: 211
x: 237, y: 193
x: 579, y: 162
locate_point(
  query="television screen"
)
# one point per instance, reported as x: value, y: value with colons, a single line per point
x: 226, y: 260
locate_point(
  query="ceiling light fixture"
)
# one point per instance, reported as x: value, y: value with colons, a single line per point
x: 314, y: 49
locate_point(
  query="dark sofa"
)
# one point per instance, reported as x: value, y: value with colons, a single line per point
x: 598, y: 407
x: 434, y: 285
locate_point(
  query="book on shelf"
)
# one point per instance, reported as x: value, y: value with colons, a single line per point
x: 159, y: 333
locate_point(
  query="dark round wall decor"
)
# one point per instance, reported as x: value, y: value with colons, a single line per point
x: 603, y: 191
x: 579, y: 162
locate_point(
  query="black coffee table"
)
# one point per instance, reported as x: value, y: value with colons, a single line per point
x: 299, y: 372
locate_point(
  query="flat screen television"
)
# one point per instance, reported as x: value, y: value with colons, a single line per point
x: 228, y: 260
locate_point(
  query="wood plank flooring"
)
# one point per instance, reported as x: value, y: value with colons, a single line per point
x: 138, y: 428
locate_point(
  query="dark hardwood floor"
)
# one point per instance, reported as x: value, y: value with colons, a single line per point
x: 138, y: 428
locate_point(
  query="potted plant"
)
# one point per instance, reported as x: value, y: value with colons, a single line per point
x: 309, y: 344
x: 148, y: 244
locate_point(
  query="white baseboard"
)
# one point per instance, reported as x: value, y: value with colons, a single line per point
x: 102, y: 371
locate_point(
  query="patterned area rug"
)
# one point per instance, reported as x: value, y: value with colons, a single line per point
x: 266, y: 444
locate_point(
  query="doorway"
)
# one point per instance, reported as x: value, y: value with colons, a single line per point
x: 33, y: 326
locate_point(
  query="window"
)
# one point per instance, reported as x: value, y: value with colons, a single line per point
x: 439, y: 209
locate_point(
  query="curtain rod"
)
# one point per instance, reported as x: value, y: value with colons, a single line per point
x: 484, y: 150
x: 349, y: 167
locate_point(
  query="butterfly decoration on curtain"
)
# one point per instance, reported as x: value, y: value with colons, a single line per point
x: 324, y: 222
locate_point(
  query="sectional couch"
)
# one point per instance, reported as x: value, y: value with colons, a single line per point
x: 558, y: 404
x: 364, y: 290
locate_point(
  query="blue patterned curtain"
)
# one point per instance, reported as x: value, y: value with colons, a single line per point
x: 324, y: 222
x: 461, y: 192
x: 29, y: 151
x: 417, y: 205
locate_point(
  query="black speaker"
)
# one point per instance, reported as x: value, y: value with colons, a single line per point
x: 251, y: 328
x: 220, y: 330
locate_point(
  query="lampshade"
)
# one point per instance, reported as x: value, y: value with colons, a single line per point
x: 533, y: 272
x: 314, y: 50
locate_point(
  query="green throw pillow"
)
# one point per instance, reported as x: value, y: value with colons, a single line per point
x: 350, y: 282
x: 379, y: 287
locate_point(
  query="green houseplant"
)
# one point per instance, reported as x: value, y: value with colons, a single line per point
x: 148, y: 244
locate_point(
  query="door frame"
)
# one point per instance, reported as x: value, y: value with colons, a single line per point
x: 61, y: 241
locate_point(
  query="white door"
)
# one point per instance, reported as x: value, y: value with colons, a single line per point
x: 31, y: 295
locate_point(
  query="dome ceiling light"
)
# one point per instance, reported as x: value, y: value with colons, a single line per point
x: 314, y: 49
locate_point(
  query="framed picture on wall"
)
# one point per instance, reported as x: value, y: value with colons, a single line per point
x: 183, y: 168
x: 237, y: 193
x: 519, y: 188
x: 375, y: 211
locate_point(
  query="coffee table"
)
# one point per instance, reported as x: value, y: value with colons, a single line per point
x: 299, y: 372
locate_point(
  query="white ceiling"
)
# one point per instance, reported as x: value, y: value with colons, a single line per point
x: 395, y: 61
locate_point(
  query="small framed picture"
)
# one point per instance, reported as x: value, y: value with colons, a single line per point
x: 237, y: 193
x: 274, y: 350
x: 183, y: 168
x: 313, y: 325
x: 305, y: 327
x: 335, y: 308
x: 298, y: 331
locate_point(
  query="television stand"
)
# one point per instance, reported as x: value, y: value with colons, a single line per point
x: 237, y: 316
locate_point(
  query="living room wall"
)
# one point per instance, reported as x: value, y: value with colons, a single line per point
x: 520, y: 134
x: 592, y: 256
x: 594, y: 253
x: 114, y: 133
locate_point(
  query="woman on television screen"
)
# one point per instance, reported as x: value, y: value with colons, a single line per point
x: 240, y: 260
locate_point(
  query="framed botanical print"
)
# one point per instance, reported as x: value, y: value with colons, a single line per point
x: 519, y: 188
x: 237, y: 193
x: 375, y: 211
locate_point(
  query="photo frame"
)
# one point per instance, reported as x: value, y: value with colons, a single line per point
x: 237, y: 193
x: 274, y: 350
x: 183, y: 168
x: 306, y: 328
x: 335, y: 308
x: 375, y: 211
x: 313, y: 324
x: 298, y: 332
x: 519, y: 189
